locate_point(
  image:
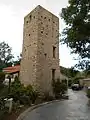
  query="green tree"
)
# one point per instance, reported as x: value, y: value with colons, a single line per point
x: 17, y: 62
x: 77, y: 33
x: 5, y: 55
x: 69, y: 72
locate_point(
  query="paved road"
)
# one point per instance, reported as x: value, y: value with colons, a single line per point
x: 76, y: 108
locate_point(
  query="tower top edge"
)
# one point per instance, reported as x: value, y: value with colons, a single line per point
x: 38, y: 7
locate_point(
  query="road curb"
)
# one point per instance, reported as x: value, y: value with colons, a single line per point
x: 22, y: 115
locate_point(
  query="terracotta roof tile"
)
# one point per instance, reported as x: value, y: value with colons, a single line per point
x: 12, y: 69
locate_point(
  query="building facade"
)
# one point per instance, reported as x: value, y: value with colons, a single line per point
x: 11, y: 72
x: 40, y: 53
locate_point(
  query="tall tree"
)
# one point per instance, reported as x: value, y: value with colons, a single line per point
x: 5, y: 55
x: 77, y: 33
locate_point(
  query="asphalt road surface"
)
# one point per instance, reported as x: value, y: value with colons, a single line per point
x: 76, y: 108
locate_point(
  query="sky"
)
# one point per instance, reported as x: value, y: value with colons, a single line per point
x: 12, y: 14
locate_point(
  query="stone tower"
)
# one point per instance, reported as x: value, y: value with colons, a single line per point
x: 40, y: 53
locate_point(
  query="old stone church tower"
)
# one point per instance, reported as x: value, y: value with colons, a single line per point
x: 40, y: 53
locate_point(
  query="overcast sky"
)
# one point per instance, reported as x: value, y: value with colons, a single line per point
x: 12, y: 13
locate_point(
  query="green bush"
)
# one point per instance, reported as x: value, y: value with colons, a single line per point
x: 64, y: 81
x: 25, y: 95
x: 3, y: 88
x: 3, y: 113
x: 59, y: 88
x: 88, y: 93
x: 2, y: 78
x: 29, y: 91
x: 3, y: 109
x: 70, y: 82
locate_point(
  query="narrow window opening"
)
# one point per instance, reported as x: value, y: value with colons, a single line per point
x: 30, y: 17
x: 29, y: 34
x: 41, y: 31
x: 34, y: 17
x: 45, y: 55
x: 42, y: 43
x: 49, y: 19
x: 54, y: 51
x: 53, y: 74
x: 44, y: 17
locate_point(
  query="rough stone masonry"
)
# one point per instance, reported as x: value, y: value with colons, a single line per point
x: 40, y: 53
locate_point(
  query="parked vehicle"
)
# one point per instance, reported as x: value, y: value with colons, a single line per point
x: 76, y: 87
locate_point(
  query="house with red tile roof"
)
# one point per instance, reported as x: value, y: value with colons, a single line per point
x: 13, y: 71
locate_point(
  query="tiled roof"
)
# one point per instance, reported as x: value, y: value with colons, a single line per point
x: 12, y: 69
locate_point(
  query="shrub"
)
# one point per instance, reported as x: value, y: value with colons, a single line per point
x: 70, y: 82
x: 64, y: 81
x: 16, y: 89
x: 3, y: 88
x: 88, y: 93
x: 2, y: 78
x: 59, y: 88
x: 3, y: 109
x: 25, y: 95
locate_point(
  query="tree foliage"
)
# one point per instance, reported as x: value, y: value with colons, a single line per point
x: 77, y: 33
x: 25, y: 95
x: 58, y: 88
x: 5, y: 55
x: 2, y: 78
x: 83, y: 64
x: 69, y: 72
x: 17, y: 62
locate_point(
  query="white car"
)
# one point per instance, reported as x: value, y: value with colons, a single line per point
x: 75, y: 87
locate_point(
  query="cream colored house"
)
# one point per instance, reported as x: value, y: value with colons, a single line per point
x: 12, y: 71
x: 85, y: 82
